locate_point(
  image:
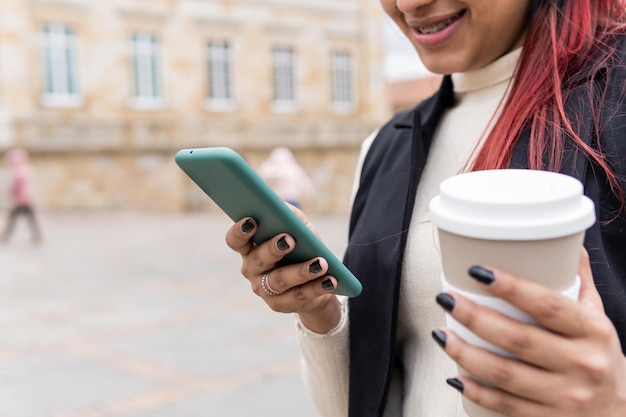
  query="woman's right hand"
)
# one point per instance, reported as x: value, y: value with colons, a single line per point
x: 302, y: 288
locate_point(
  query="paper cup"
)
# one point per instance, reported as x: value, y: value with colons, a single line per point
x: 529, y: 223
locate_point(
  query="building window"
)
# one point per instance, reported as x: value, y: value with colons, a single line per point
x: 60, y: 66
x: 341, y: 67
x: 146, y: 61
x: 283, y: 65
x: 220, y: 95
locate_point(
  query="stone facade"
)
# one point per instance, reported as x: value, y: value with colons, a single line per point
x: 101, y: 148
x: 406, y: 94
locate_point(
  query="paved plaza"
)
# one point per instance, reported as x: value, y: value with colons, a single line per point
x: 142, y: 315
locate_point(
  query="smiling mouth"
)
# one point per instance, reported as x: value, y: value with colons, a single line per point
x: 438, y: 27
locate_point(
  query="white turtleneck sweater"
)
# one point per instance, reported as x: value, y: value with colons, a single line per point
x: 418, y: 386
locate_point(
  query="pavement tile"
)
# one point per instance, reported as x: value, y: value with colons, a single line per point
x: 142, y: 315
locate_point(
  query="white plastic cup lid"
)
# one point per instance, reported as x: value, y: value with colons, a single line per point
x: 512, y: 204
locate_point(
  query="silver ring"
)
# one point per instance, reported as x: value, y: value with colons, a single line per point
x: 266, y: 285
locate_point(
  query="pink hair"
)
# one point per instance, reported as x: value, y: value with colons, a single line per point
x: 561, y: 41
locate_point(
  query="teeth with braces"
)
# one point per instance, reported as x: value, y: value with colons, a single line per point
x: 427, y: 30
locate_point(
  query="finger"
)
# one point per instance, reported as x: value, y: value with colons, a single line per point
x: 497, y: 400
x: 305, y: 297
x: 527, y: 342
x: 588, y: 291
x: 515, y: 377
x: 554, y: 311
x: 304, y: 219
x: 265, y: 256
x: 287, y: 277
x: 239, y: 235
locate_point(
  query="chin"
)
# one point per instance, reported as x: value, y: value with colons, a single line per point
x: 443, y: 67
x: 447, y: 63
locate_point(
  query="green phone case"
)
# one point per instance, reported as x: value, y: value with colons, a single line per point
x: 240, y: 192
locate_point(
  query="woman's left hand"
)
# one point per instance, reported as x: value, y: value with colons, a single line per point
x: 573, y: 367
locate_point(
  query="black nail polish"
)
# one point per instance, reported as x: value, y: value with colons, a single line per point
x: 456, y: 384
x: 481, y: 274
x: 282, y: 244
x: 440, y: 337
x: 328, y: 285
x: 247, y: 226
x: 315, y: 267
x: 445, y: 301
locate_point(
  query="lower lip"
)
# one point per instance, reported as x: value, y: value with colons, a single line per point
x: 435, y: 39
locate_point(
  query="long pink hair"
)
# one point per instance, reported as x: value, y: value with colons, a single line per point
x: 564, y: 36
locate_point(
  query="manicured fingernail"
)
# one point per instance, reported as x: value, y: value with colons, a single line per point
x: 282, y: 244
x: 481, y: 274
x: 328, y: 285
x: 456, y: 384
x: 440, y: 337
x: 247, y: 226
x: 445, y: 301
x: 315, y: 267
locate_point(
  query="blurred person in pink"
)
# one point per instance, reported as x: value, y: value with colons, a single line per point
x: 22, y: 194
x: 283, y: 173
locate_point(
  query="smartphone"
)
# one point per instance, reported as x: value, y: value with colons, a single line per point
x: 240, y: 192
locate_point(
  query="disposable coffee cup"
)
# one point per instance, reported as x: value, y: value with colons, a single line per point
x: 530, y: 223
x: 526, y: 222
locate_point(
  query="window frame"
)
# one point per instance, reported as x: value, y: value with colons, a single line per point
x: 342, y: 81
x: 220, y: 74
x: 60, y: 66
x: 146, y: 71
x: 284, y: 80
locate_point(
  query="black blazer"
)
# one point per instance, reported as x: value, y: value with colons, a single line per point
x: 384, y: 203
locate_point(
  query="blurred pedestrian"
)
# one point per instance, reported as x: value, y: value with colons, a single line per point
x: 283, y: 173
x: 22, y: 194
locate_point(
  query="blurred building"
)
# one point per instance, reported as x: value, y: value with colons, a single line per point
x: 103, y: 93
x: 407, y: 93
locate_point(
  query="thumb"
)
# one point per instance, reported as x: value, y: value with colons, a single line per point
x: 588, y: 292
x: 304, y: 219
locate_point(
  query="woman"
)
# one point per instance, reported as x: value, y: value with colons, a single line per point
x: 534, y: 84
